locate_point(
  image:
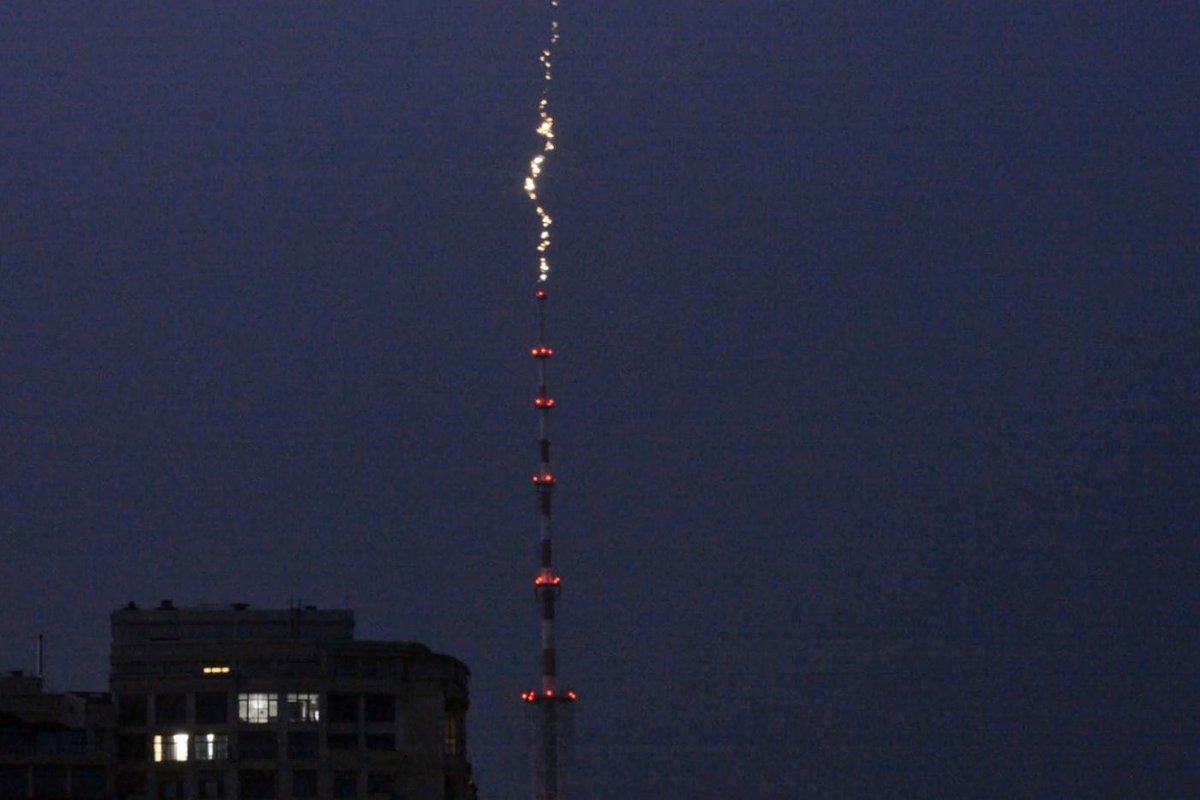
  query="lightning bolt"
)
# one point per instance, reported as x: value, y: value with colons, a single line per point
x: 545, y: 132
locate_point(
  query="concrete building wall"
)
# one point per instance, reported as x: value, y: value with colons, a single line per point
x: 242, y: 703
x: 54, y: 745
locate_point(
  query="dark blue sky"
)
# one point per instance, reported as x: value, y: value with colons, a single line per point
x: 877, y: 368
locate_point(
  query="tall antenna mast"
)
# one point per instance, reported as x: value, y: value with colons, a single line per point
x: 549, y: 707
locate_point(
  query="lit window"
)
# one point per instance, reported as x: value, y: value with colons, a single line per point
x: 258, y: 708
x: 216, y: 670
x: 303, y: 708
x: 171, y: 748
x: 453, y: 732
x: 211, y: 746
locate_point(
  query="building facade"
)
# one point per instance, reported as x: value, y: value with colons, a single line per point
x: 250, y: 704
x: 53, y: 745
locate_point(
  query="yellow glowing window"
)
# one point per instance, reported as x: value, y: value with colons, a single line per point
x: 171, y: 748
x: 216, y: 670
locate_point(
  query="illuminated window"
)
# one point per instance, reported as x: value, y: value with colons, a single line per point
x: 173, y: 747
x: 258, y: 708
x: 303, y: 708
x: 211, y: 746
x: 216, y: 670
x: 453, y: 733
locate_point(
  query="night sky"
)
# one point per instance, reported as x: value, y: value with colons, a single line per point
x: 877, y: 368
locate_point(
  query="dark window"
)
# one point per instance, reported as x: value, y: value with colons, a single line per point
x: 60, y: 743
x: 381, y: 741
x: 381, y: 708
x: 131, y: 709
x: 15, y: 741
x: 89, y: 783
x: 50, y: 781
x: 14, y: 782
x: 131, y: 785
x: 170, y: 786
x: 302, y: 745
x: 381, y: 785
x: 343, y: 741
x: 212, y: 708
x: 256, y: 785
x: 343, y: 708
x: 258, y: 744
x: 210, y: 785
x: 131, y: 748
x: 345, y: 784
x: 170, y: 709
x: 304, y: 783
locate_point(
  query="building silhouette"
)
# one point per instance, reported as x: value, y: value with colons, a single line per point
x: 53, y: 745
x: 246, y: 704
x: 255, y: 704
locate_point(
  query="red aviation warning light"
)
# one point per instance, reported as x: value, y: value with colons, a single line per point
x: 550, y: 706
x: 549, y: 695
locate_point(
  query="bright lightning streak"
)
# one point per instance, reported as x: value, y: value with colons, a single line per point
x: 545, y: 131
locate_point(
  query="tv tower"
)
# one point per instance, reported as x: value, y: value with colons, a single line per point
x: 550, y: 708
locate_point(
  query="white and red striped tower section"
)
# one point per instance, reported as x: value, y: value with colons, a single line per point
x: 550, y: 706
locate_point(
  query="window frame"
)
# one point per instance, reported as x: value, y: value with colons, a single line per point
x: 251, y: 713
